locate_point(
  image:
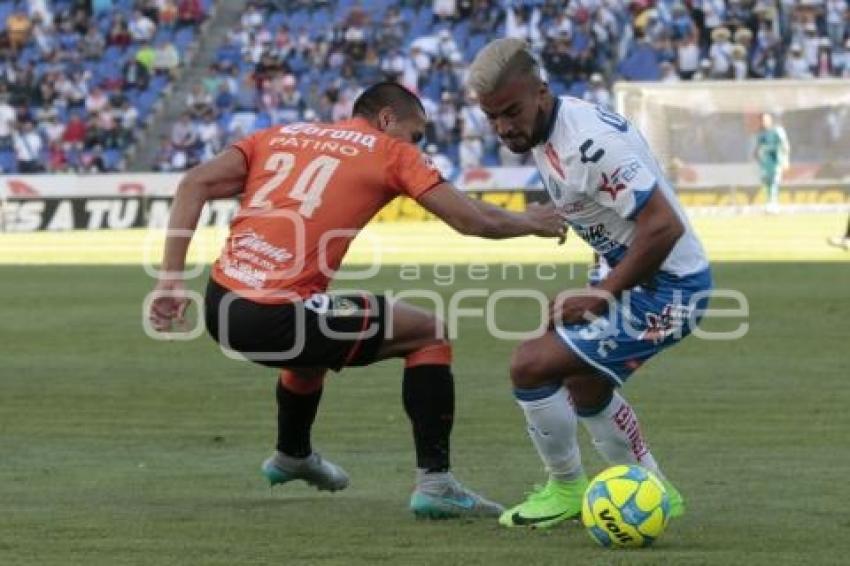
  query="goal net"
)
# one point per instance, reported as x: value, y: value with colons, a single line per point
x: 704, y: 132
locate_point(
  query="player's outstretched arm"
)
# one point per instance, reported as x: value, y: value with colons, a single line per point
x: 223, y: 176
x: 475, y: 218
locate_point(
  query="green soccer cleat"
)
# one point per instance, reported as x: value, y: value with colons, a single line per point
x: 677, y: 502
x: 321, y: 474
x: 441, y: 496
x: 548, y: 505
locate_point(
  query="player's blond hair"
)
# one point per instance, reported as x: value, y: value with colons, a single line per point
x: 500, y: 60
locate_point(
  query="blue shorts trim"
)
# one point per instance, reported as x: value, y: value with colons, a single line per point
x: 562, y: 333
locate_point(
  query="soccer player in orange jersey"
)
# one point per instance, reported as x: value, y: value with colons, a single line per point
x: 306, y: 190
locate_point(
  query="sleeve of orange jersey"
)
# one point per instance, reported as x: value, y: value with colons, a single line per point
x: 247, y: 145
x: 409, y: 172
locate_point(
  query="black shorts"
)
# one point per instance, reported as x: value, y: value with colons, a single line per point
x: 325, y: 330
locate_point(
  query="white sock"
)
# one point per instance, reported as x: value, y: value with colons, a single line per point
x: 552, y: 427
x: 616, y: 435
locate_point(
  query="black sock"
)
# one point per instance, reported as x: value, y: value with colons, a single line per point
x: 295, y: 416
x: 428, y: 394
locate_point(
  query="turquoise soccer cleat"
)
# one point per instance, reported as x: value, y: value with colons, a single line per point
x: 448, y: 499
x: 317, y: 472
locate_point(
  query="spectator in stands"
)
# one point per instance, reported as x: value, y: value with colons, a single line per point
x: 41, y: 9
x: 290, y: 106
x: 92, y: 44
x: 44, y: 38
x: 135, y: 75
x: 668, y: 73
x: 18, y: 27
x: 28, y: 145
x: 8, y: 117
x: 225, y: 102
x: 740, y: 70
x: 150, y: 8
x: 557, y: 58
x: 210, y: 136
x: 393, y: 66
x: 50, y: 127
x: 796, y: 66
x: 247, y: 97
x: 92, y: 161
x: 190, y: 13
x: 444, y: 10
x: 390, y: 33
x: 687, y: 57
x: 127, y: 117
x: 57, y: 158
x: 470, y: 151
x: 184, y: 134
x: 474, y: 123
x: 76, y: 132
x: 164, y: 158
x: 252, y: 18
x: 141, y: 27
x: 97, y: 101
x: 484, y: 17
x: 766, y: 52
x: 837, y: 21
x: 199, y: 101
x: 167, y: 16
x: 166, y: 59
x: 80, y: 20
x: 598, y: 93
x: 446, y: 120
x: 119, y: 34
x: 146, y: 55
x: 521, y: 24
x: 721, y: 53
x: 447, y: 47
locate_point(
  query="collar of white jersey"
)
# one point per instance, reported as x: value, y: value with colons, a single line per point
x: 550, y: 127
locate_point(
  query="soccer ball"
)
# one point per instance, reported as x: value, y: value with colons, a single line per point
x: 625, y: 506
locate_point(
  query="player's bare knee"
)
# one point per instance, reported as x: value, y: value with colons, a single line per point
x: 525, y: 367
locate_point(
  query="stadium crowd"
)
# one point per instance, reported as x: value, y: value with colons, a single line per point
x: 79, y: 77
x: 307, y: 59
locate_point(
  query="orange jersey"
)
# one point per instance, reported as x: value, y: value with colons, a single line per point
x: 310, y: 188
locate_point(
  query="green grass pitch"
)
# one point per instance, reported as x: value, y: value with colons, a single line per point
x: 116, y: 449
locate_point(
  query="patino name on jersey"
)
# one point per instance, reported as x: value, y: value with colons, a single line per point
x: 351, y: 136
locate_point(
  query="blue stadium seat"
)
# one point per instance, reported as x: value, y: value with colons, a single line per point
x: 8, y: 162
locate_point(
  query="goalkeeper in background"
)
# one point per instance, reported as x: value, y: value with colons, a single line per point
x: 773, y: 154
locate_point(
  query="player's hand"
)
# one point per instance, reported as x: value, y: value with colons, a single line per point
x: 169, y: 308
x: 576, y: 306
x: 547, y: 221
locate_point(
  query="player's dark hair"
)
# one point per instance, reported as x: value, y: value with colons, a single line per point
x: 387, y: 94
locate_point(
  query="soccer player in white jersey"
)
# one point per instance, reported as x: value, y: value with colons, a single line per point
x: 602, y: 176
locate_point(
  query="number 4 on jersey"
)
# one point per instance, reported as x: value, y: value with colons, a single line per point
x: 308, y: 188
